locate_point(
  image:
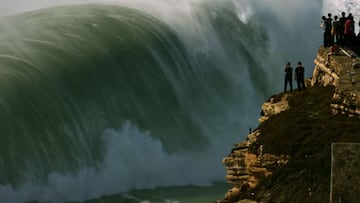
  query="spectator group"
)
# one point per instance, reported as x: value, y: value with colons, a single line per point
x: 339, y: 30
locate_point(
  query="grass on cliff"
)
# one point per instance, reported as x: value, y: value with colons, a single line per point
x: 305, y: 132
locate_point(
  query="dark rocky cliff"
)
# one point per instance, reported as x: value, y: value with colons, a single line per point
x: 288, y: 157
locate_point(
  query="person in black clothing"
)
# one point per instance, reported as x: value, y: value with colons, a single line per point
x: 323, y: 26
x: 329, y: 25
x: 335, y: 31
x: 326, y: 25
x: 342, y: 20
x: 288, y: 76
x: 299, y: 76
x: 349, y: 31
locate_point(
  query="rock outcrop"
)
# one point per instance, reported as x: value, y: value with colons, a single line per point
x: 247, y: 165
x: 252, y: 162
x: 274, y: 107
x: 340, y: 69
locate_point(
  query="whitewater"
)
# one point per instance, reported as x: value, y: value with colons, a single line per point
x: 106, y: 97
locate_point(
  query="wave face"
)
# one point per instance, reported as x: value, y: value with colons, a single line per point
x: 103, y: 98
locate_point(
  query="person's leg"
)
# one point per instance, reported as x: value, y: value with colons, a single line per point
x: 346, y: 41
x: 325, y: 44
x: 341, y: 39
x: 298, y: 82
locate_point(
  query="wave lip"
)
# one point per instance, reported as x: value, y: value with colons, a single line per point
x: 90, y: 92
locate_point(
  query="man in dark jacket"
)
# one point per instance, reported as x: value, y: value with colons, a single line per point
x: 299, y: 76
x: 288, y: 76
x: 342, y: 20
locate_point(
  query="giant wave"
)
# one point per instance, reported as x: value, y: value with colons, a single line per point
x: 103, y: 98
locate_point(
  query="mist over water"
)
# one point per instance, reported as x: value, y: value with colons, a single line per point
x: 137, y: 94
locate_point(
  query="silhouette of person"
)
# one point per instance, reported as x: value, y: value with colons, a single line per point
x: 299, y: 76
x: 326, y: 25
x: 349, y: 31
x: 329, y: 29
x: 342, y: 20
x: 323, y: 27
x: 335, y: 30
x: 288, y: 76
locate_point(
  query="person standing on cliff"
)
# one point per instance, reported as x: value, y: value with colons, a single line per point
x: 299, y: 76
x: 288, y: 76
x: 323, y: 27
x: 326, y: 25
x: 342, y: 20
x: 335, y: 31
x: 349, y: 30
x: 329, y: 25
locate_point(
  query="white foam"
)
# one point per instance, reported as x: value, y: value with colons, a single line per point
x: 133, y: 159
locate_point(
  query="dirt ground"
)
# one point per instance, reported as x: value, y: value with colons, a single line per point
x: 305, y: 132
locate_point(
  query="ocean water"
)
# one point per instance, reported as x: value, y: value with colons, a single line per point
x: 137, y: 97
x: 174, y: 194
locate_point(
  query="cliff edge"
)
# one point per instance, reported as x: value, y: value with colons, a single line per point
x: 288, y: 157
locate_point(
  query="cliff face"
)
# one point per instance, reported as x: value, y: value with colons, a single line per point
x: 343, y: 72
x: 246, y: 165
x: 287, y: 158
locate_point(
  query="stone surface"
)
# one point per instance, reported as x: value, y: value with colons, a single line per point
x: 273, y: 107
x: 342, y: 72
x: 247, y: 165
x: 245, y: 169
x: 345, y: 173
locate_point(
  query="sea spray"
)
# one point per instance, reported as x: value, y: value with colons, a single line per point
x: 137, y: 94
